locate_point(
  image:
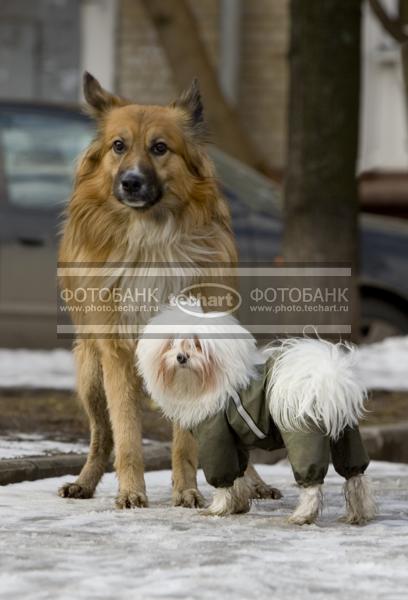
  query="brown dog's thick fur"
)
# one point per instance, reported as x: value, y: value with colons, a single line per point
x: 187, y: 223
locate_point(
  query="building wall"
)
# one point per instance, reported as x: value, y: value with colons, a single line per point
x: 144, y: 74
x: 39, y: 49
x: 46, y: 44
x: 383, y: 121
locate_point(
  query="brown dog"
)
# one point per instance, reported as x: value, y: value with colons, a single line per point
x: 145, y: 193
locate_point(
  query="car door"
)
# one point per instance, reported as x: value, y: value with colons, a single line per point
x: 38, y: 147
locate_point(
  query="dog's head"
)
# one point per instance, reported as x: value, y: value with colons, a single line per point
x: 189, y: 365
x: 191, y: 375
x: 147, y: 156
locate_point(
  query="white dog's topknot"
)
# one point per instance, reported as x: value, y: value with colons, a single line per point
x: 314, y: 382
x: 173, y: 321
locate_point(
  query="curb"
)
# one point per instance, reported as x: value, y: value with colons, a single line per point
x: 157, y: 456
x: 387, y: 442
x: 383, y: 442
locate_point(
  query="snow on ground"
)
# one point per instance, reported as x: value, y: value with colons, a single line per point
x: 381, y: 366
x: 53, y: 369
x: 384, y: 366
x: 33, y: 444
x: 54, y: 548
x: 18, y: 446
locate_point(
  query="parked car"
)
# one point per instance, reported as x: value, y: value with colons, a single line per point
x: 38, y: 147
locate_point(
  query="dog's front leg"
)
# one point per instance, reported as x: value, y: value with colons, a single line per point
x: 185, y: 463
x: 123, y: 393
x: 309, y: 506
x: 92, y: 395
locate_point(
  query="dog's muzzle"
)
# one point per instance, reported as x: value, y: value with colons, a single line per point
x: 137, y: 189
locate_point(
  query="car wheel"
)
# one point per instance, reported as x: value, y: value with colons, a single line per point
x: 381, y: 319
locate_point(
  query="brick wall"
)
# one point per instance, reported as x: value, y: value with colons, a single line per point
x: 144, y: 75
x: 141, y: 66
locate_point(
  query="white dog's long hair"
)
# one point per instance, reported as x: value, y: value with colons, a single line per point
x: 313, y: 383
x: 192, y: 365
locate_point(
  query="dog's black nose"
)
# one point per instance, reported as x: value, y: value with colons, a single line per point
x: 182, y: 358
x: 132, y: 183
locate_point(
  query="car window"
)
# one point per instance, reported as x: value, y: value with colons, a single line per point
x: 39, y: 152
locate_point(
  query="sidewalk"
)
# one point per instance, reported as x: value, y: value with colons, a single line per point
x: 56, y: 548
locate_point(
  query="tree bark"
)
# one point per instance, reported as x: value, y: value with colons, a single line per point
x: 321, y: 202
x: 180, y: 38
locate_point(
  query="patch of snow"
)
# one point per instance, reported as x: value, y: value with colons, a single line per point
x: 56, y: 548
x: 33, y: 444
x: 51, y: 369
x: 380, y: 366
x: 384, y: 366
x: 36, y: 445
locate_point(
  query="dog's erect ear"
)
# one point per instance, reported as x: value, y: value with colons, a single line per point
x: 99, y: 100
x: 190, y: 101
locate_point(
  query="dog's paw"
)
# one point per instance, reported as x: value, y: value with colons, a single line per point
x: 190, y: 498
x: 352, y: 519
x: 265, y: 492
x: 301, y: 519
x: 207, y: 512
x: 131, y: 500
x: 75, y: 490
x: 217, y: 510
x: 233, y: 500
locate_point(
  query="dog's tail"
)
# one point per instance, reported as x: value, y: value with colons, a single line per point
x: 312, y: 383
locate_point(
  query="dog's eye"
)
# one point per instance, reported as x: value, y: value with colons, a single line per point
x: 159, y: 148
x: 118, y: 146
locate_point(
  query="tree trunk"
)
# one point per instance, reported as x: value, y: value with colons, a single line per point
x: 180, y: 38
x: 321, y: 202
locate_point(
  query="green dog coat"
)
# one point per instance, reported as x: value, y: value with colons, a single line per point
x: 225, y: 439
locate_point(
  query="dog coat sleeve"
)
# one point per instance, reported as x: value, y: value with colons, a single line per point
x: 349, y: 455
x: 222, y: 458
x: 309, y: 455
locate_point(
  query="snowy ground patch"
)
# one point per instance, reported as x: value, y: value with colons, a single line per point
x: 380, y: 366
x: 51, y: 369
x: 18, y: 446
x: 57, y: 548
x: 383, y: 366
x: 33, y: 444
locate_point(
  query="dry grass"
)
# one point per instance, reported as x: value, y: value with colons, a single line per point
x: 59, y: 415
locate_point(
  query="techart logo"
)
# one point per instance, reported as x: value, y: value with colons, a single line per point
x: 207, y: 300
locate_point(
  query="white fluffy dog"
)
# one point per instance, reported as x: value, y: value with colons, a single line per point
x: 302, y: 394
